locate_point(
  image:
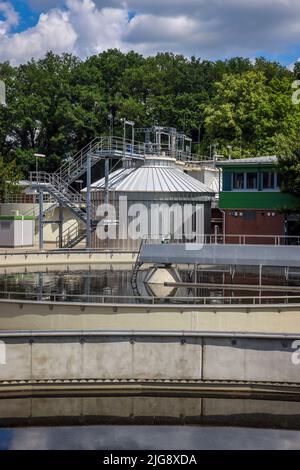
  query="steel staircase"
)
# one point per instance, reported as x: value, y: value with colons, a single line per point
x: 64, y: 195
x: 68, y: 198
x: 75, y: 167
x: 97, y: 149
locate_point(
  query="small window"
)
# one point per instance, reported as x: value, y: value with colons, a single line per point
x: 5, y: 225
x: 251, y: 180
x: 268, y: 180
x: 249, y: 215
x: 238, y: 181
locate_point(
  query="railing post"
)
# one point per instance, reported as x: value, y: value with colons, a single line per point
x: 41, y: 217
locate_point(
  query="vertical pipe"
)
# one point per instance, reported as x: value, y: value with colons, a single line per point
x: 260, y: 275
x: 106, y: 200
x: 159, y: 142
x: 41, y: 219
x: 132, y: 150
x: 88, y: 201
x: 124, y: 139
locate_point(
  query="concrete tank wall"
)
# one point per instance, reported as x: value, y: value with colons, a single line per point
x: 264, y: 319
x: 151, y: 358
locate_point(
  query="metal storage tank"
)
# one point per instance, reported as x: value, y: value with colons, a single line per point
x: 158, y: 185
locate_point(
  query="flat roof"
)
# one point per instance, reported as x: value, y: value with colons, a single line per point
x: 267, y: 160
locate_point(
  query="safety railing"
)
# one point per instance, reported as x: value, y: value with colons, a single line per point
x: 76, y: 165
x: 24, y: 198
x: 72, y: 233
x: 235, y: 239
x: 57, y: 183
x: 116, y: 299
x: 122, y: 148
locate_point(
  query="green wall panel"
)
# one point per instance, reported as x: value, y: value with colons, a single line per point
x: 258, y: 200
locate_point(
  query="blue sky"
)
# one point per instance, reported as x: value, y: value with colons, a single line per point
x: 28, y: 17
x: 205, y: 28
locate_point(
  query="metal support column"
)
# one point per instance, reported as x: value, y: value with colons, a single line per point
x: 260, y: 276
x: 41, y: 219
x: 88, y: 202
x: 60, y: 226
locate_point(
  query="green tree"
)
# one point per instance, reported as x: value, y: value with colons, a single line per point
x: 9, y: 177
x: 250, y: 112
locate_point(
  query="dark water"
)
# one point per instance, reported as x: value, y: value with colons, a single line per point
x: 146, y: 437
x: 90, y: 281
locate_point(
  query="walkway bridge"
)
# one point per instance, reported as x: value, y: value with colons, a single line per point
x: 219, y: 254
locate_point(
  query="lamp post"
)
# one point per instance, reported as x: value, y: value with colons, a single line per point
x: 214, y: 153
x: 41, y: 200
x: 110, y: 117
x: 37, y: 156
x: 132, y: 124
x: 229, y: 148
x: 199, y: 134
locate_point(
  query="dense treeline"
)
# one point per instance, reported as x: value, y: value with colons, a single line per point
x: 58, y: 104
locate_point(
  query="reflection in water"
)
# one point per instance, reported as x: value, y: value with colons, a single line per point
x: 146, y: 437
x: 90, y: 281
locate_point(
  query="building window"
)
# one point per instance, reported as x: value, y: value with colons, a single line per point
x: 250, y: 215
x: 268, y: 180
x: 5, y: 225
x: 238, y: 181
x: 251, y: 181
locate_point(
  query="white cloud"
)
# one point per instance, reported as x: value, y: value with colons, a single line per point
x: 53, y: 32
x: 205, y: 28
x: 10, y: 15
x: 81, y: 29
x: 97, y: 29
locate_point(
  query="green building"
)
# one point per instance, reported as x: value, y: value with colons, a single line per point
x: 251, y: 199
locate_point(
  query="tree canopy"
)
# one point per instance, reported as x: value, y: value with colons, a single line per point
x: 56, y: 105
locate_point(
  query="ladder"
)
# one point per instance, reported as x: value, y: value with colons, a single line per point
x: 135, y: 271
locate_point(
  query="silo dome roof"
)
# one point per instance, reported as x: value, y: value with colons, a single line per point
x: 152, y: 177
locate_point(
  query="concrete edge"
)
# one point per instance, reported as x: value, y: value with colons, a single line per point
x: 131, y: 387
x: 139, y: 306
x: 145, y: 333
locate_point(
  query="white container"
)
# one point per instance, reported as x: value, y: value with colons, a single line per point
x: 16, y: 231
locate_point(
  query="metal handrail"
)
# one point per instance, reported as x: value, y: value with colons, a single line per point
x: 105, y: 145
x: 58, y: 184
x: 234, y: 239
x: 78, y: 156
x: 119, y: 299
x: 70, y: 233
